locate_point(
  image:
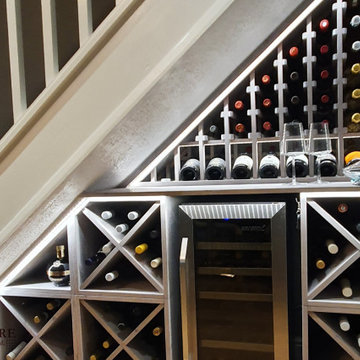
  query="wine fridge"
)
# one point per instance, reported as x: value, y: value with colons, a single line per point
x: 233, y: 281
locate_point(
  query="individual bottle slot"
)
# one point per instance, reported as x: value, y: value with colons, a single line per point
x: 122, y: 228
x: 242, y: 168
x: 59, y: 272
x: 133, y: 215
x: 111, y: 276
x: 190, y: 170
x: 157, y: 331
x: 141, y: 248
x: 324, y: 100
x: 41, y: 318
x: 100, y: 255
x: 353, y: 76
x: 301, y: 166
x: 320, y: 264
x: 156, y: 262
x: 354, y: 52
x: 215, y: 132
x: 269, y: 166
x: 346, y: 288
x: 16, y: 351
x: 323, y: 30
x: 353, y: 28
x: 295, y: 80
x: 344, y: 323
x: 331, y: 247
x: 328, y: 165
x: 216, y: 169
x: 352, y: 121
x: 353, y: 100
x: 53, y: 305
x: 267, y: 129
x: 343, y: 208
x: 323, y: 77
x: 240, y: 130
x: 267, y: 106
x: 323, y: 54
x: 98, y: 355
x: 295, y: 103
x: 266, y: 83
x: 107, y: 214
x: 108, y: 343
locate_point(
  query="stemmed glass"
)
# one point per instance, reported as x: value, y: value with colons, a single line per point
x: 293, y: 143
x: 319, y: 144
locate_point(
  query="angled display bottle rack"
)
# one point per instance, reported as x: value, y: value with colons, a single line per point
x: 305, y: 76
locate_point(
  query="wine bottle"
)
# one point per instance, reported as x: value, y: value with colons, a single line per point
x: 240, y: 130
x: 352, y: 157
x: 295, y: 106
x: 267, y: 129
x: 59, y: 272
x: 354, y: 125
x: 111, y: 276
x: 100, y: 255
x: 107, y: 214
x: 328, y: 165
x: 239, y: 105
x: 53, y: 305
x: 324, y: 55
x: 353, y: 75
x: 215, y: 169
x: 42, y: 317
x: 355, y: 22
x: 266, y: 84
x: 97, y: 355
x: 242, y: 168
x: 109, y: 342
x: 133, y: 215
x: 16, y: 351
x: 344, y: 323
x: 346, y: 289
x: 269, y: 166
x: 294, y: 79
x: 355, y: 47
x: 155, y: 263
x: 324, y: 26
x: 343, y: 208
x: 294, y: 58
x: 320, y: 264
x: 215, y: 132
x: 157, y: 331
x: 358, y: 339
x: 190, y: 170
x: 122, y: 228
x: 301, y: 166
x: 332, y: 247
x: 140, y: 249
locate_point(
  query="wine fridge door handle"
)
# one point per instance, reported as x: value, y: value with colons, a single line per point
x: 188, y: 300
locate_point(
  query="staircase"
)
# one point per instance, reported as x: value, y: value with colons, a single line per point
x: 92, y: 82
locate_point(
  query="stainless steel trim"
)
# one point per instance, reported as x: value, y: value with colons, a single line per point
x: 188, y: 305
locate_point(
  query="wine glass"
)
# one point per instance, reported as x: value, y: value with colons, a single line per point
x: 319, y: 144
x: 293, y: 143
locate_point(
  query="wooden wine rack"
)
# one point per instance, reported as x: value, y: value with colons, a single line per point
x: 323, y: 302
x: 91, y: 306
x: 196, y: 143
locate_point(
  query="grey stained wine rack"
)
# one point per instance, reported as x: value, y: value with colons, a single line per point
x: 323, y: 302
x: 91, y: 308
x: 195, y: 142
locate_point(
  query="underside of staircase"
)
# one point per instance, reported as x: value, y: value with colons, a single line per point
x: 135, y: 82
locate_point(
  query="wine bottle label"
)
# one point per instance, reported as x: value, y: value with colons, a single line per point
x: 244, y: 160
x: 300, y: 157
x: 106, y: 215
x: 217, y: 162
x: 270, y: 160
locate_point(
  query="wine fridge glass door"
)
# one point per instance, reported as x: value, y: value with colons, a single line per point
x: 233, y: 282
